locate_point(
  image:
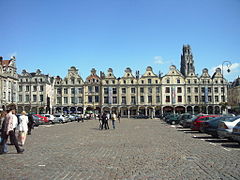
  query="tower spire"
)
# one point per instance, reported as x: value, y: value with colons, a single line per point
x: 187, y: 62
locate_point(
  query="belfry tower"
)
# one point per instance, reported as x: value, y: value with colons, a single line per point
x: 187, y: 62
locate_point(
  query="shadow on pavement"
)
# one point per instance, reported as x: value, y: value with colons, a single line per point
x: 235, y: 145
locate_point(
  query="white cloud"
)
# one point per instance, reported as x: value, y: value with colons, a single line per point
x: 160, y: 60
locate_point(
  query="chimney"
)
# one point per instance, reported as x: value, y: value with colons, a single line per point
x: 1, y: 58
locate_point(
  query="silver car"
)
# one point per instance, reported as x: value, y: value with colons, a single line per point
x: 59, y: 118
x: 225, y: 128
x: 236, y: 133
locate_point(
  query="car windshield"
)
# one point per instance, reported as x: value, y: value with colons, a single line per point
x: 232, y: 119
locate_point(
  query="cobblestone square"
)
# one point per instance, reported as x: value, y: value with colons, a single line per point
x: 136, y: 149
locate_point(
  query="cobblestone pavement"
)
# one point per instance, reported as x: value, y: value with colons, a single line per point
x: 136, y: 149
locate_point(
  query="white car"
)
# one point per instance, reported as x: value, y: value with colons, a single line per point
x: 236, y: 133
x: 225, y: 128
x: 50, y: 117
x: 59, y: 118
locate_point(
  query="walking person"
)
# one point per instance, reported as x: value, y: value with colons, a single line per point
x: 2, y: 125
x: 104, y: 121
x: 15, y: 124
x: 30, y: 124
x: 119, y: 117
x: 114, y: 118
x: 8, y: 131
x: 23, y: 128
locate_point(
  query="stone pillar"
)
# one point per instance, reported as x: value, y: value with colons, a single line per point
x: 192, y: 109
x: 128, y: 112
x: 161, y: 110
x: 153, y: 112
x: 137, y: 110
x: 174, y: 110
x: 207, y: 109
x: 146, y: 111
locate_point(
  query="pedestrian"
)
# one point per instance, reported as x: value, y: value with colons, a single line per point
x: 119, y: 117
x: 30, y: 124
x: 23, y: 128
x: 8, y: 131
x: 104, y: 121
x: 15, y: 124
x: 114, y: 118
x: 2, y: 125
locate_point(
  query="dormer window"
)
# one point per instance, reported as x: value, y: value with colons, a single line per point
x: 149, y: 74
x: 178, y: 81
x: 142, y: 81
x: 124, y: 82
x: 106, y: 82
x: 113, y: 81
x: 168, y: 81
x: 156, y: 81
x: 110, y: 74
x: 93, y: 80
x: 128, y: 74
x: 132, y: 81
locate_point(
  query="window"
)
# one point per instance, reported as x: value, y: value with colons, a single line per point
x: 65, y: 100
x: 216, y: 99
x: 80, y: 90
x: 141, y: 90
x: 133, y: 100
x: 123, y: 99
x: 20, y: 88
x: 124, y: 82
x: 179, y: 90
x: 209, y: 98
x: 149, y: 81
x: 156, y: 81
x: 157, y: 89
x: 65, y: 91
x: 132, y: 81
x: 106, y: 81
x: 41, y: 98
x: 158, y: 99
x: 113, y: 82
x: 34, y: 98
x: 142, y: 81
x: 178, y: 81
x: 223, y: 98
x: 188, y: 90
x: 216, y: 89
x: 179, y: 98
x: 90, y: 99
x: 149, y: 90
x: 114, y: 90
x: 27, y: 98
x: 105, y: 90
x: 188, y: 81
x: 96, y: 99
x: 106, y: 98
x: 222, y: 89
x: 59, y: 91
x: 124, y: 90
x: 133, y: 90
x: 149, y: 99
x: 142, y: 99
x: 168, y: 81
x: 196, y: 90
x: 196, y: 99
x: 80, y: 100
x: 189, y: 99
x: 195, y: 81
x: 20, y: 98
x: 59, y: 100
x: 96, y: 89
x: 27, y: 88
x: 167, y: 99
x: 72, y: 90
x: 41, y: 88
x: 114, y: 100
x: 90, y: 89
x: 167, y: 90
x: 209, y: 90
x: 203, y: 98
x: 73, y: 100
x: 203, y: 89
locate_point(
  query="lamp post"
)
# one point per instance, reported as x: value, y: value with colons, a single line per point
x: 228, y: 64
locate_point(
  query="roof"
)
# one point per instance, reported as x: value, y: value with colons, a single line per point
x: 5, y: 62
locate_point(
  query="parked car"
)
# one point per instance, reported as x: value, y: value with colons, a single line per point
x: 49, y: 116
x: 197, y: 123
x: 186, y: 123
x: 37, y: 120
x: 173, y: 119
x: 184, y: 117
x: 45, y: 119
x: 236, y: 133
x: 72, y: 117
x: 59, y: 118
x: 141, y: 116
x: 211, y: 126
x: 225, y: 128
x: 167, y: 117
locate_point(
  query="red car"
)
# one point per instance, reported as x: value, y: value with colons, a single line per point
x: 198, y: 122
x: 45, y: 119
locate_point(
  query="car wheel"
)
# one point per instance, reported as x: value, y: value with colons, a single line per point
x: 173, y: 122
x: 50, y: 122
x: 61, y: 121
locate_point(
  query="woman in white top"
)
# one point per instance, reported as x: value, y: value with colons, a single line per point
x: 23, y: 128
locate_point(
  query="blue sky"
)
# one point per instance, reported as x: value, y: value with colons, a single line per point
x: 53, y: 35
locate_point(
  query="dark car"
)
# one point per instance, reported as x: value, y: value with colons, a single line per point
x: 198, y: 122
x: 210, y: 126
x: 141, y: 116
x: 184, y: 117
x: 173, y: 119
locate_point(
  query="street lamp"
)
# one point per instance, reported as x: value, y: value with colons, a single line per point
x: 228, y: 64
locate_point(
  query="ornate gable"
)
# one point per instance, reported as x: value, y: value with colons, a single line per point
x: 128, y: 74
x: 149, y: 73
